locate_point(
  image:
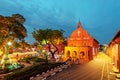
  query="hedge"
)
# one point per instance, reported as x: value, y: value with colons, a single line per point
x: 26, y: 73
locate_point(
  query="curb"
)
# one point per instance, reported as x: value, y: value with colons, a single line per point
x: 50, y: 73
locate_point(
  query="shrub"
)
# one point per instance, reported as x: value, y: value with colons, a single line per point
x: 33, y: 70
x: 34, y: 59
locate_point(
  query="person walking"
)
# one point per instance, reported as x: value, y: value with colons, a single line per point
x: 69, y: 61
x: 77, y: 61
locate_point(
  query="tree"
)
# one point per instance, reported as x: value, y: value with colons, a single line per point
x: 49, y: 37
x: 11, y: 28
x: 101, y: 47
x: 23, y: 44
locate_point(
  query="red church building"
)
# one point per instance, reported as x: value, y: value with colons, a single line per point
x: 81, y: 46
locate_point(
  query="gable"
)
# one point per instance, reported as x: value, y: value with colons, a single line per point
x: 116, y: 35
x: 81, y: 37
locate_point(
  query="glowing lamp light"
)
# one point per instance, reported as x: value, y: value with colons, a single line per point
x: 9, y: 43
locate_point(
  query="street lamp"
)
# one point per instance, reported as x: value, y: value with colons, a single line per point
x: 9, y: 43
x: 7, y: 48
x: 5, y: 59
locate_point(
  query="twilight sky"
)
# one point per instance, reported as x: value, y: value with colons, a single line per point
x: 101, y: 18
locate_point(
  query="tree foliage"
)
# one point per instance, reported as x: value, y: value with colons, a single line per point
x: 49, y: 37
x: 101, y: 47
x: 23, y: 44
x: 11, y: 27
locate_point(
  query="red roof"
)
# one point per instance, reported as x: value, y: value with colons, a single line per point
x: 116, y: 36
x: 80, y: 34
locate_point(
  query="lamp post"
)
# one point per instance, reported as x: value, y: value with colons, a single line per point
x: 5, y: 59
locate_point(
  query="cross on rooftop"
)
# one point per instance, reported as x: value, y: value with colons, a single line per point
x: 78, y: 33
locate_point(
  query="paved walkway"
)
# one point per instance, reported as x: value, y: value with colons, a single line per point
x: 97, y: 69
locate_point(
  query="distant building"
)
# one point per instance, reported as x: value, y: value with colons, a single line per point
x: 81, y: 46
x: 113, y: 49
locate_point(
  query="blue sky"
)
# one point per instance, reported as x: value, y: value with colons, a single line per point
x: 101, y: 18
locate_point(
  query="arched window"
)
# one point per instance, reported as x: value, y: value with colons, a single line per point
x: 75, y: 53
x: 68, y: 53
x: 82, y: 54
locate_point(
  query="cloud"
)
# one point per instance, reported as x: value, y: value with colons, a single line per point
x: 95, y: 16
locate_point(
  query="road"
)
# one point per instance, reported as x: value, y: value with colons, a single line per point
x: 98, y: 69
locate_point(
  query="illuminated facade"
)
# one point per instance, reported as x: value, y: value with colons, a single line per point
x: 81, y: 46
x: 113, y: 50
